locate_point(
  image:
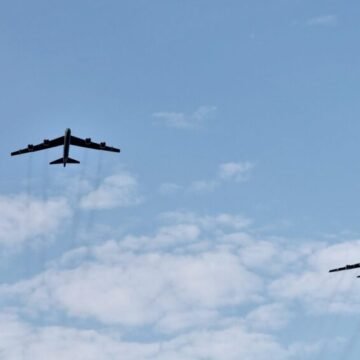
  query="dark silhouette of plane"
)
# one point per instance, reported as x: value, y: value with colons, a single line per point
x: 347, y: 267
x: 66, y: 141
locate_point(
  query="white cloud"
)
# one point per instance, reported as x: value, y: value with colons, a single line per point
x: 135, y: 290
x: 230, y: 171
x: 183, y: 276
x: 206, y: 222
x: 197, y: 279
x: 25, y: 218
x: 120, y: 190
x: 235, y: 171
x: 323, y: 20
x: 227, y: 172
x: 166, y: 237
x: 269, y: 316
x: 20, y: 340
x: 184, y: 121
x: 188, y: 272
x: 228, y: 344
x: 183, y: 321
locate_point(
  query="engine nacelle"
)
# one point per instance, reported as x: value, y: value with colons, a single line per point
x: 102, y: 144
x: 46, y: 142
x: 88, y: 140
x: 30, y: 147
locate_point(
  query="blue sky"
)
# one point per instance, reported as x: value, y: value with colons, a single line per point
x: 211, y: 234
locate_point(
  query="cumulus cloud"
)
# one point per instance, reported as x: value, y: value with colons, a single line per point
x: 185, y: 121
x: 232, y: 221
x: 184, y: 275
x: 229, y: 344
x: 21, y: 340
x: 236, y: 171
x: 24, y: 218
x: 204, y: 284
x: 120, y: 190
x: 135, y: 290
x: 187, y: 274
x: 227, y: 172
x: 269, y: 316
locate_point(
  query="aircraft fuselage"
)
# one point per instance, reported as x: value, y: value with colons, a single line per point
x: 67, y: 139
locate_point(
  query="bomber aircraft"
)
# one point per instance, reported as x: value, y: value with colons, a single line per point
x: 66, y: 141
x: 347, y: 267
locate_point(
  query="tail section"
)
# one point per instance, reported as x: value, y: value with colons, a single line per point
x: 72, y: 161
x: 58, y: 161
x: 61, y: 161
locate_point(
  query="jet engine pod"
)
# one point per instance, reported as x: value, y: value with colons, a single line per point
x: 102, y: 144
x: 30, y: 147
x: 88, y: 140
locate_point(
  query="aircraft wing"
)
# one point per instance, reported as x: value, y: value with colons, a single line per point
x: 46, y: 144
x: 347, y: 267
x: 87, y: 143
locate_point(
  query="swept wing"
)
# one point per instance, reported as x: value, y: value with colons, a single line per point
x: 87, y: 143
x: 46, y: 144
x: 347, y: 267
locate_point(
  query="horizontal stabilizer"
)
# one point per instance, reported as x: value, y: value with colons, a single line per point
x: 72, y: 161
x: 68, y: 161
x: 58, y: 161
